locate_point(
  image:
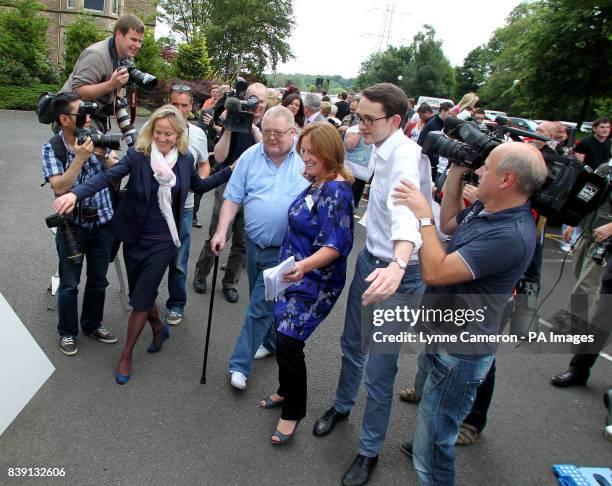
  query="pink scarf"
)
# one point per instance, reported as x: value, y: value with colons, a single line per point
x: 162, y: 171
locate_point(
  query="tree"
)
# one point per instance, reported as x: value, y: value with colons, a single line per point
x: 149, y: 58
x: 247, y: 35
x: 23, y: 45
x: 82, y: 33
x: 474, y: 72
x: 192, y: 61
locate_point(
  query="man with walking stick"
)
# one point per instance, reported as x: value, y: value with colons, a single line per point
x: 267, y: 178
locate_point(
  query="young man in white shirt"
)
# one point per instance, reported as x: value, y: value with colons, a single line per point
x: 388, y: 265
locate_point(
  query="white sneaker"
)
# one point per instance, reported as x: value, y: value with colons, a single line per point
x: 262, y: 352
x: 238, y: 380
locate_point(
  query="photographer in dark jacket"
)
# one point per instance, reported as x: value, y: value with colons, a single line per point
x: 228, y: 149
x: 93, y: 239
x: 435, y: 124
x: 95, y: 77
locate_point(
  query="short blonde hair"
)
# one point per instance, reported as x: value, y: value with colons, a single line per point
x: 325, y: 108
x: 176, y: 119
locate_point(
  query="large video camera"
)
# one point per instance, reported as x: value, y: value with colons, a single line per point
x: 240, y: 109
x: 64, y: 223
x: 146, y: 81
x: 571, y: 190
x: 111, y: 141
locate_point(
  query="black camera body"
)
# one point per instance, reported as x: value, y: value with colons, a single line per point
x: 63, y: 222
x: 146, y: 81
x: 601, y: 251
x: 570, y: 192
x: 239, y: 109
x: 111, y: 141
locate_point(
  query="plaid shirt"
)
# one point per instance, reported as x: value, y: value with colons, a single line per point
x: 51, y: 166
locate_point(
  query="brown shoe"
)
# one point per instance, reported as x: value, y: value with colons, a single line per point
x: 409, y: 395
x: 467, y: 434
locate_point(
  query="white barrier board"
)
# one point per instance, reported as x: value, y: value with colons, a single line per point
x: 25, y: 367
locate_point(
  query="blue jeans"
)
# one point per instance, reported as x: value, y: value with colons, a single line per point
x: 258, y: 327
x: 95, y: 244
x: 380, y: 369
x: 177, y: 272
x: 448, y: 396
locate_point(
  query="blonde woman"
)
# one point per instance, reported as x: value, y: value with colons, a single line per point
x: 148, y: 219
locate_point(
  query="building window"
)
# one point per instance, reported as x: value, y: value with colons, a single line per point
x: 94, y: 5
x: 69, y: 3
x: 116, y: 7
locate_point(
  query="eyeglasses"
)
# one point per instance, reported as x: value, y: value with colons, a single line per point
x: 367, y: 121
x: 181, y: 88
x: 276, y: 133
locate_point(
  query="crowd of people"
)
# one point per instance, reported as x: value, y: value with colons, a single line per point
x: 289, y: 187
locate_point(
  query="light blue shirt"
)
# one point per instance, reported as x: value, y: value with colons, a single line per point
x: 266, y: 191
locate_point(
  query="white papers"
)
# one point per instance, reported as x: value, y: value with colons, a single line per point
x: 273, y: 278
x: 25, y: 366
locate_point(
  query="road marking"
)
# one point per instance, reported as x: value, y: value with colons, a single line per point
x: 601, y: 353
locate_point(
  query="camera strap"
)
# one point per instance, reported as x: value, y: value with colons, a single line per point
x: 59, y: 149
x: 112, y: 50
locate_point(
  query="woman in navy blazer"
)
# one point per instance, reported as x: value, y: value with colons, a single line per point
x: 148, y: 219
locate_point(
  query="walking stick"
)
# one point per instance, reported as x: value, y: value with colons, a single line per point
x: 210, y: 313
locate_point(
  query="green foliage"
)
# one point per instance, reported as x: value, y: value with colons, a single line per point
x: 23, y: 97
x: 472, y: 75
x: 550, y: 60
x: 82, y: 33
x: 23, y: 45
x: 149, y: 59
x: 419, y: 69
x: 247, y: 35
x: 337, y: 83
x: 192, y: 61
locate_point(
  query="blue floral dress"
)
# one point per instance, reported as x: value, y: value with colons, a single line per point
x: 319, y: 217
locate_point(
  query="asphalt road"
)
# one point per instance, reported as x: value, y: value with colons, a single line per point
x: 164, y: 427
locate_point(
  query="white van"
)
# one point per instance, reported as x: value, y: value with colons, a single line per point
x: 433, y: 102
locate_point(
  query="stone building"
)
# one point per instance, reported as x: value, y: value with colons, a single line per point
x: 62, y: 13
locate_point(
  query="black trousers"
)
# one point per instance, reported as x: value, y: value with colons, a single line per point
x: 358, y: 187
x: 291, y: 376
x: 600, y: 326
x: 482, y: 402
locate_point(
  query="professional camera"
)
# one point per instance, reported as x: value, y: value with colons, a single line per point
x: 64, y: 224
x: 601, y: 251
x: 111, y: 141
x: 146, y: 81
x: 571, y: 189
x: 239, y: 116
x: 124, y: 121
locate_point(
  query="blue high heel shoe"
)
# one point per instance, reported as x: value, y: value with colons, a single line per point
x: 153, y: 348
x: 122, y: 379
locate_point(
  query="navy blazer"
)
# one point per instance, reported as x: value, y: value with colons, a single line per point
x: 129, y: 218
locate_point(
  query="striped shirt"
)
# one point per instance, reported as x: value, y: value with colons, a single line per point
x: 52, y: 166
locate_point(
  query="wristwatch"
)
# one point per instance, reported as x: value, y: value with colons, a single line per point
x: 423, y: 222
x: 401, y: 263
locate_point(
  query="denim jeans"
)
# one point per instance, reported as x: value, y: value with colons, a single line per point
x: 95, y: 244
x: 258, y: 327
x: 380, y: 369
x: 177, y: 272
x: 448, y: 396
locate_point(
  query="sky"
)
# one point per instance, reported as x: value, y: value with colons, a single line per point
x: 335, y: 36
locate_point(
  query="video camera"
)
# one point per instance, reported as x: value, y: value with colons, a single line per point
x: 240, y: 109
x: 570, y: 192
x: 111, y: 141
x: 64, y: 223
x: 146, y: 81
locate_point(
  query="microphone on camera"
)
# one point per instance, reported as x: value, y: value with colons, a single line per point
x: 232, y: 104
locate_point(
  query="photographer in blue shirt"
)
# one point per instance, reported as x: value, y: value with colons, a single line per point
x: 492, y: 244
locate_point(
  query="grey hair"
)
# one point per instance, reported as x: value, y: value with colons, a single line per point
x: 356, y: 98
x: 279, y: 111
x: 529, y: 168
x: 312, y: 102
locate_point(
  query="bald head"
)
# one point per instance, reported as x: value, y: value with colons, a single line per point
x: 525, y: 161
x: 547, y: 128
x: 261, y: 92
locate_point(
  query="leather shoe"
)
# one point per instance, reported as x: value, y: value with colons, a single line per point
x: 231, y: 295
x: 570, y: 377
x: 326, y: 424
x: 199, y: 285
x: 360, y: 471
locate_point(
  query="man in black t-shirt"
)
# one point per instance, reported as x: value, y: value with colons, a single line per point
x: 595, y: 150
x: 228, y: 149
x: 343, y: 105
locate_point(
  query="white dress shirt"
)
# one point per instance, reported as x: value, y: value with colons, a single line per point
x: 397, y: 158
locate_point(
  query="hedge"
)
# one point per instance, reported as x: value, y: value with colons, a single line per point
x: 23, y: 97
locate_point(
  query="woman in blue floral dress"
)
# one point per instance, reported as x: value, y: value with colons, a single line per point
x: 320, y: 237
